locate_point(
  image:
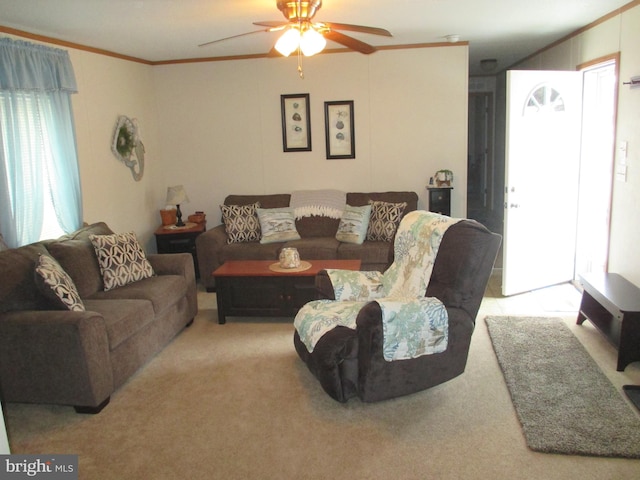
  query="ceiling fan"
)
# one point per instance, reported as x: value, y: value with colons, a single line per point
x: 306, y: 36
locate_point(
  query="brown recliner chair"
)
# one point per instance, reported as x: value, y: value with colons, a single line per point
x: 350, y: 363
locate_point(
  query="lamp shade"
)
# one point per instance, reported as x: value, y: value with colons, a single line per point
x: 288, y: 42
x: 176, y: 195
x: 312, y: 42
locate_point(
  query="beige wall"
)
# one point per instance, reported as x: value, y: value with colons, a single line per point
x: 620, y: 33
x: 625, y: 222
x: 220, y: 124
x: 215, y: 127
x: 107, y: 88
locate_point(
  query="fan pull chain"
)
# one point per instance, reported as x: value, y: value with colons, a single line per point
x: 299, y: 15
x: 300, y: 71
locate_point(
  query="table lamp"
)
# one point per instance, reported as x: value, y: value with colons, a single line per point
x: 175, y: 196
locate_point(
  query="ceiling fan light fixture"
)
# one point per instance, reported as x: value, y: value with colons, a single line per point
x: 296, y: 10
x: 288, y: 42
x: 312, y: 42
x: 300, y: 33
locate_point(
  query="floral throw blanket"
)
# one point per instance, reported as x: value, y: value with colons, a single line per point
x: 411, y: 328
x: 413, y: 325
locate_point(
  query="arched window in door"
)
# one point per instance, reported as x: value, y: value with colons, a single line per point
x: 544, y: 99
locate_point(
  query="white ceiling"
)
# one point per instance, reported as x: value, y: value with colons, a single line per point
x: 157, y: 30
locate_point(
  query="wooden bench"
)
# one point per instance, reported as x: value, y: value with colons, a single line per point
x: 612, y: 304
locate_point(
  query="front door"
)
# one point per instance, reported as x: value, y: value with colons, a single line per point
x: 541, y: 178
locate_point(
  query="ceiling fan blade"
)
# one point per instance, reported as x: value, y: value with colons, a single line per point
x: 349, y: 42
x: 271, y: 24
x: 273, y: 53
x: 358, y: 28
x: 235, y: 36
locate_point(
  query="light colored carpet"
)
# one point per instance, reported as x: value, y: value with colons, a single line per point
x: 563, y: 400
x: 234, y: 402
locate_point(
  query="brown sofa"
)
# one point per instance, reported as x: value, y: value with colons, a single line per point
x: 80, y: 358
x: 317, y: 234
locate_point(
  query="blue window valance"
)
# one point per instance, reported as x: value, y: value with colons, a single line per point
x: 25, y: 66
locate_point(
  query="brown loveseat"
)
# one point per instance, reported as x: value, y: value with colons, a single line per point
x: 80, y: 358
x: 318, y: 236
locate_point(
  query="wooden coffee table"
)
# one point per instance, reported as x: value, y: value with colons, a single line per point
x: 249, y: 288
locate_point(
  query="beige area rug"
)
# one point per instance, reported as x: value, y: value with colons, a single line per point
x: 234, y: 402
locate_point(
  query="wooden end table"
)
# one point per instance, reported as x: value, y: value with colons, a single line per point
x: 180, y: 240
x: 249, y: 288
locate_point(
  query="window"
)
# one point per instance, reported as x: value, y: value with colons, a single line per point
x: 36, y: 160
x: 39, y: 177
x: 544, y: 99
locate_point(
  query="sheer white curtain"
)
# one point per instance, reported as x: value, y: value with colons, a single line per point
x: 38, y: 157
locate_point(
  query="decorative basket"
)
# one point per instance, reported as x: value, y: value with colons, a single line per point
x: 197, y: 217
x: 169, y: 217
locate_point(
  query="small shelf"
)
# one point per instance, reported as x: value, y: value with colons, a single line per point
x: 440, y: 200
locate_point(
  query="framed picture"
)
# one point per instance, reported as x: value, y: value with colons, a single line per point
x: 339, y: 130
x: 296, y: 122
